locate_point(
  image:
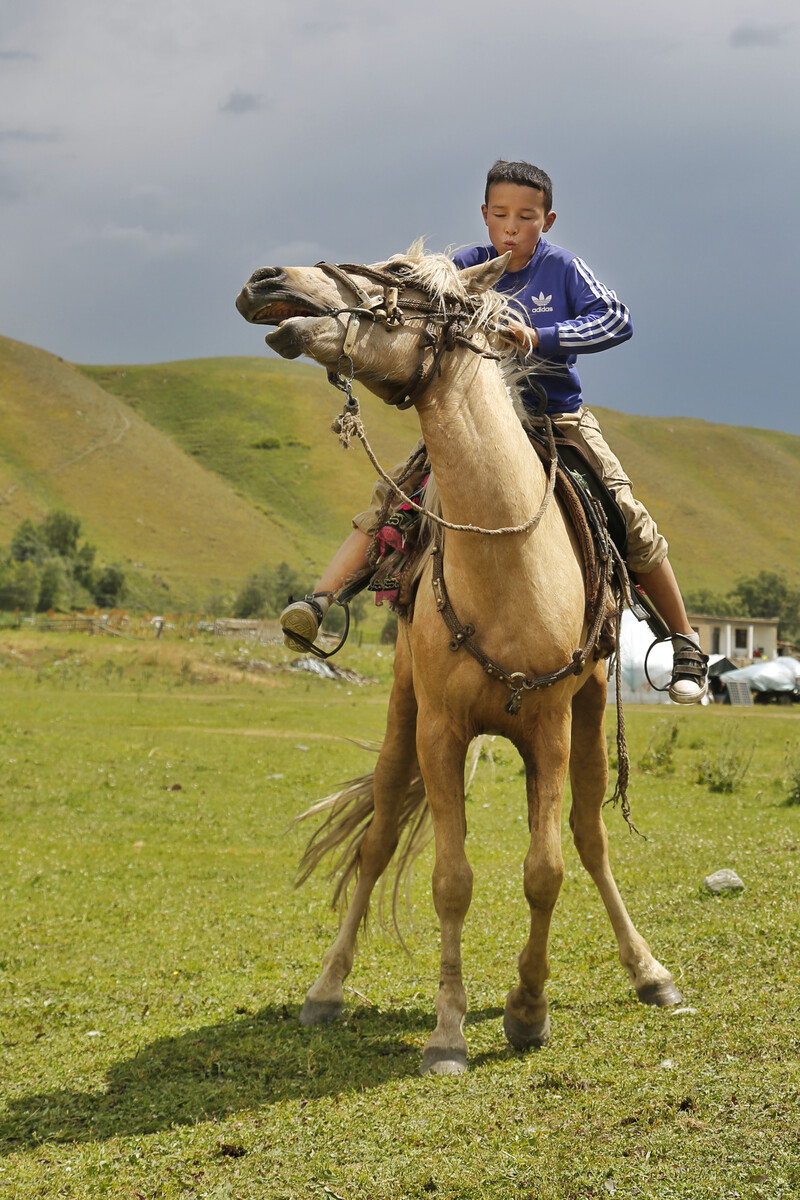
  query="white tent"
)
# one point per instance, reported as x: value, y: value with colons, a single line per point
x: 636, y: 638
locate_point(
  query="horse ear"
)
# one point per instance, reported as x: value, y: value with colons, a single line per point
x: 485, y: 275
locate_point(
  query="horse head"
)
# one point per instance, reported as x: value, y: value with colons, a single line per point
x: 378, y: 323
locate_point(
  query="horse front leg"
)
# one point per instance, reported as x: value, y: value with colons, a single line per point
x: 589, y: 776
x: 545, y: 752
x: 441, y: 758
x: 396, y: 765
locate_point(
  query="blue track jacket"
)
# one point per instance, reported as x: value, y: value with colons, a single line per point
x: 573, y: 311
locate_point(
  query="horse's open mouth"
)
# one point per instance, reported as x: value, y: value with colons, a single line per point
x: 282, y: 310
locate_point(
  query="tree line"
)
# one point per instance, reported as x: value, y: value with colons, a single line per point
x: 46, y: 566
x: 768, y: 594
x: 266, y: 593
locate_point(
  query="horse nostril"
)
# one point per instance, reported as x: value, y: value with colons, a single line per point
x: 267, y: 273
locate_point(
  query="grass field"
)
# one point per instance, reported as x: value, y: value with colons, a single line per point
x: 153, y: 955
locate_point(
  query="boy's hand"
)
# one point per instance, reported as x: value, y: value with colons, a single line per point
x: 524, y: 335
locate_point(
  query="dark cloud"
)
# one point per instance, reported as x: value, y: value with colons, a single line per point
x: 324, y: 27
x: 744, y: 36
x: 28, y: 135
x: 202, y: 148
x: 11, y: 190
x: 241, y: 102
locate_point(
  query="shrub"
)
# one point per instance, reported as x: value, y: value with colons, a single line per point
x: 27, y: 543
x: 54, y: 586
x: 252, y: 599
x: 335, y: 618
x: 83, y: 566
x: 266, y: 592
x: 726, y: 771
x: 19, y: 586
x: 792, y: 779
x: 658, y: 758
x: 61, y: 531
x: 389, y: 631
x: 49, y: 569
x: 109, y: 588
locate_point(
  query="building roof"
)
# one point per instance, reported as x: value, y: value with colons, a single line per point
x: 734, y: 620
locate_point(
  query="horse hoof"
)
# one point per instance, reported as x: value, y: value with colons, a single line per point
x: 319, y: 1012
x: 524, y: 1036
x: 443, y: 1061
x: 662, y: 993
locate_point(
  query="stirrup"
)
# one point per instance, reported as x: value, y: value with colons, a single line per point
x: 301, y: 619
x: 689, y: 665
x: 300, y: 622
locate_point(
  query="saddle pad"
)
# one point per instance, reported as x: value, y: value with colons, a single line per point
x: 573, y: 459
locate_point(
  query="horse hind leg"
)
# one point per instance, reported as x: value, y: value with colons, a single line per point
x: 396, y: 765
x: 589, y: 775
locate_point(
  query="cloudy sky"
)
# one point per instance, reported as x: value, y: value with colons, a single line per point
x: 154, y: 152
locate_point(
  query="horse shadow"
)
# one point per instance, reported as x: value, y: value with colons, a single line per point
x: 219, y: 1070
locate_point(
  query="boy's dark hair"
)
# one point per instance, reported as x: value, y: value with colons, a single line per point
x: 523, y: 173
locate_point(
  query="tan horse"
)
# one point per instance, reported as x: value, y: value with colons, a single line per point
x: 523, y: 593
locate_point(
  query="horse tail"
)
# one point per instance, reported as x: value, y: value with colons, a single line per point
x: 347, y: 814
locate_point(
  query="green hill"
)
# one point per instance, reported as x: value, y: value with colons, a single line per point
x: 180, y: 531
x: 192, y: 475
x: 263, y: 425
x: 195, y: 473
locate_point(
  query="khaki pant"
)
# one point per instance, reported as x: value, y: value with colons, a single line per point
x: 647, y: 548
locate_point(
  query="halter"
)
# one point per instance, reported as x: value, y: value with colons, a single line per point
x: 386, y: 310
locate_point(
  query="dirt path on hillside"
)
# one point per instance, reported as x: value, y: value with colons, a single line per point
x: 111, y: 437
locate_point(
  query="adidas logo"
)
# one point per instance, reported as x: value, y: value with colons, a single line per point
x: 541, y: 302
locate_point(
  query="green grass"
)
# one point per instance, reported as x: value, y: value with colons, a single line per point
x: 153, y: 956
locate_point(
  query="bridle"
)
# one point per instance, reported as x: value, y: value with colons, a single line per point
x: 445, y: 328
x: 386, y: 310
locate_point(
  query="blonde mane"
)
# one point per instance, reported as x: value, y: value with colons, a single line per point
x: 489, y: 311
x: 439, y: 277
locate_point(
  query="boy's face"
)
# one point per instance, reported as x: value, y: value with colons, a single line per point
x: 515, y: 217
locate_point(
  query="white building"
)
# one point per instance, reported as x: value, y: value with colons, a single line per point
x: 741, y: 639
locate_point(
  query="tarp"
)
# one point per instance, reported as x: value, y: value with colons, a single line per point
x: 768, y: 675
x: 636, y: 637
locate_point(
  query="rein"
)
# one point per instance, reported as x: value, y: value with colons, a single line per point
x: 385, y: 309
